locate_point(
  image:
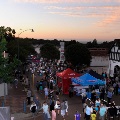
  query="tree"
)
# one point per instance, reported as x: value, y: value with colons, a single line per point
x: 49, y: 51
x: 25, y: 48
x: 94, y: 43
x: 78, y: 54
x: 8, y: 33
x: 6, y: 70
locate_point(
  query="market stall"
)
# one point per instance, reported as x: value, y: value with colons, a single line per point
x: 65, y: 79
x: 87, y: 80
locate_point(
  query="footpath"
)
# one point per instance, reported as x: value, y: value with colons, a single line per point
x: 16, y: 99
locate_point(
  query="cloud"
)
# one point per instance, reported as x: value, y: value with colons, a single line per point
x: 67, y: 1
x: 87, y: 11
x: 106, y: 12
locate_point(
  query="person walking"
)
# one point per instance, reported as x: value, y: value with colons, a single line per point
x: 66, y: 104
x: 71, y: 91
x: 46, y: 114
x: 102, y: 94
x: 29, y: 96
x: 57, y: 106
x: 46, y: 92
x: 16, y: 82
x: 88, y: 112
x: 102, y: 112
x: 109, y: 96
x: 63, y: 108
x: 52, y: 104
x: 41, y: 86
x: 37, y: 86
x: 77, y: 116
x: 54, y: 114
x: 33, y: 109
x: 93, y: 115
x: 37, y: 102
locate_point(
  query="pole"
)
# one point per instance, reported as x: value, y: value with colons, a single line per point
x: 18, y: 40
x: 33, y: 79
x: 24, y: 106
x: 4, y: 86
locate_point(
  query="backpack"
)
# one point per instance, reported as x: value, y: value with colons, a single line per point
x: 65, y: 106
x: 33, y: 109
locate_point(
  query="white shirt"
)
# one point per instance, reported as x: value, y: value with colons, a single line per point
x: 88, y: 110
x: 45, y: 108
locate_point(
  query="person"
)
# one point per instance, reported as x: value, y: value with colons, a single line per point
x: 37, y: 102
x: 77, y: 115
x: 57, y: 106
x: 57, y: 91
x: 29, y: 96
x: 33, y: 108
x: 37, y: 85
x: 46, y: 114
x: 46, y: 92
x: 111, y: 111
x: 88, y: 111
x: 97, y: 102
x: 109, y: 96
x: 66, y: 103
x: 63, y: 108
x: 51, y: 85
x: 93, y: 95
x: 116, y: 89
x: 93, y: 115
x: 26, y: 81
x: 52, y: 104
x: 16, y: 82
x: 102, y: 94
x: 84, y: 97
x: 54, y: 114
x: 102, y: 112
x: 41, y: 86
x: 96, y: 109
x: 71, y: 91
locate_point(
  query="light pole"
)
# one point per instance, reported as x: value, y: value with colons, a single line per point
x: 18, y: 39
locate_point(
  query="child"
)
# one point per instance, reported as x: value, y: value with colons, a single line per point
x: 93, y: 115
x: 77, y: 116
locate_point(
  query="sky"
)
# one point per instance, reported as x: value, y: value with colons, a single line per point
x: 80, y: 20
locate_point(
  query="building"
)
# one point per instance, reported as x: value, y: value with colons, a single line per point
x: 100, y: 57
x: 114, y: 59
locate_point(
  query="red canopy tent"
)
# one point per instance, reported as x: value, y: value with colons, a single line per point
x: 66, y: 76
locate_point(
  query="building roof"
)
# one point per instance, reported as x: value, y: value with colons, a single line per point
x: 98, y: 51
x: 117, y: 41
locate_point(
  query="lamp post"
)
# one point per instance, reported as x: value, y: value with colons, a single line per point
x: 18, y: 38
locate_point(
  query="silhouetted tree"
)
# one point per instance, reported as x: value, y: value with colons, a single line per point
x: 49, y: 51
x: 78, y: 54
x: 6, y: 69
x: 25, y: 48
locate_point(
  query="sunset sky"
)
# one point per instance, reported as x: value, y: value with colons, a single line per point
x: 81, y: 20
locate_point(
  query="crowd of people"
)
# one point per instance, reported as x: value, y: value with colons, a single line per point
x: 92, y: 108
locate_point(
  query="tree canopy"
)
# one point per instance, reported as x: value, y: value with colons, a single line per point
x: 49, y: 51
x: 25, y: 48
x: 77, y: 54
x: 6, y: 70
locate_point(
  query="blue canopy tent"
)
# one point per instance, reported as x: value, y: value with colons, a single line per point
x: 87, y: 79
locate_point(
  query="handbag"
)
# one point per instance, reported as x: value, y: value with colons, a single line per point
x: 56, y: 106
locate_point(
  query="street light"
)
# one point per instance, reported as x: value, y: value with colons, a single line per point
x: 18, y: 38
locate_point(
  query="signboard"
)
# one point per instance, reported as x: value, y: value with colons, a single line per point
x: 62, y: 57
x: 5, y: 113
x: 3, y: 89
